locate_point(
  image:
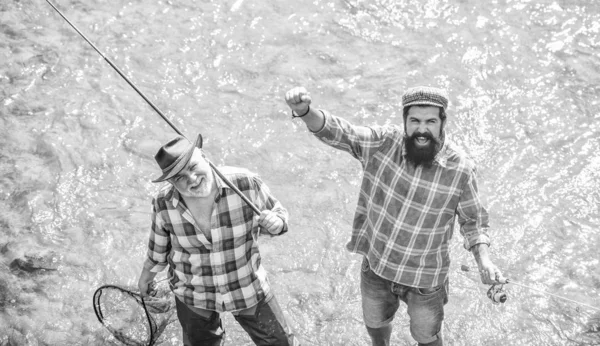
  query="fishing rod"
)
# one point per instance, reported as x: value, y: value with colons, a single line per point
x: 237, y: 191
x: 497, y: 295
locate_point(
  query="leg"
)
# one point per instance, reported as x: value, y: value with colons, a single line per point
x: 426, y: 311
x: 380, y: 336
x: 266, y: 324
x: 200, y: 327
x: 379, y: 305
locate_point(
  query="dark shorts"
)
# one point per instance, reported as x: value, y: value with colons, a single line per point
x: 265, y: 324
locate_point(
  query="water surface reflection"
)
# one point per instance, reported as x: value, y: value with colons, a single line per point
x: 77, y: 146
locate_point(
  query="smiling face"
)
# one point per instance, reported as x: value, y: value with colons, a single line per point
x: 422, y: 123
x: 423, y: 126
x: 196, y: 179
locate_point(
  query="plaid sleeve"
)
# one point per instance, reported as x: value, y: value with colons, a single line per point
x: 267, y: 201
x: 159, y: 243
x: 472, y: 216
x: 360, y: 141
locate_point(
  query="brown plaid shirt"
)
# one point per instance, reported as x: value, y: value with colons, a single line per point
x: 405, y: 215
x: 220, y: 270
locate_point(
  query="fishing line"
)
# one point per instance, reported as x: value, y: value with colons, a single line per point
x: 510, y: 281
x: 465, y: 268
x: 235, y: 189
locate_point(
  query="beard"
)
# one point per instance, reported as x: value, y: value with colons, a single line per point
x: 202, y: 190
x: 421, y: 155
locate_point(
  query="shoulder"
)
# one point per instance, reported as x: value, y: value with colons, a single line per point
x: 393, y: 132
x: 459, y: 158
x: 335, y: 123
x: 236, y: 172
x: 164, y: 195
x: 392, y: 135
x: 389, y: 130
x: 240, y: 177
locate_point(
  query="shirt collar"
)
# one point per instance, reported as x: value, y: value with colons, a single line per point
x: 442, y: 156
x: 173, y: 196
x: 221, y: 186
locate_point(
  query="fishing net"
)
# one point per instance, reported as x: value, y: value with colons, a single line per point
x: 133, y: 320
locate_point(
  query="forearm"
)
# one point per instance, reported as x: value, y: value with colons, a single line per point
x: 481, y: 254
x: 359, y: 141
x: 146, y: 275
x: 490, y: 274
x: 314, y: 119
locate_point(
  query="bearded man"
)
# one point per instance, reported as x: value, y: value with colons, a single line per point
x: 415, y: 185
x: 207, y: 236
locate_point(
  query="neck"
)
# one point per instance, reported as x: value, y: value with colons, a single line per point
x: 202, y: 200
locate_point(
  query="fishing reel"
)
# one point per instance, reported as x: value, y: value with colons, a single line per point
x: 497, y: 294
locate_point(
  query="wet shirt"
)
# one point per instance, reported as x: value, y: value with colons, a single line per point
x: 220, y: 270
x: 405, y: 215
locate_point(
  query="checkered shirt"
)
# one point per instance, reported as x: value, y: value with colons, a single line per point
x: 220, y: 270
x: 405, y: 215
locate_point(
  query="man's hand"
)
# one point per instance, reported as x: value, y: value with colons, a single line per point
x: 490, y: 274
x: 145, y: 282
x: 270, y: 221
x: 298, y: 100
x: 144, y: 287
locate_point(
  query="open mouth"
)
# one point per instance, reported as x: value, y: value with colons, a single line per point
x: 421, y: 141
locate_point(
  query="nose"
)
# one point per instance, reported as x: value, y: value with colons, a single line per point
x: 190, y: 176
x: 422, y: 128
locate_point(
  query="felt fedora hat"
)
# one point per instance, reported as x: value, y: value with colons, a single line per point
x: 174, y: 156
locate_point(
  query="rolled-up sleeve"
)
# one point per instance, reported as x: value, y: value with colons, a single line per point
x: 473, y: 218
x: 266, y: 200
x: 159, y: 243
x: 360, y: 141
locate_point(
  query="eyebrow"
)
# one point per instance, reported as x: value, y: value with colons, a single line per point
x: 175, y: 177
x: 426, y: 119
x: 178, y: 175
x: 187, y: 167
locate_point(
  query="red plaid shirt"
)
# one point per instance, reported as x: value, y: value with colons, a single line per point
x: 221, y: 270
x: 405, y: 215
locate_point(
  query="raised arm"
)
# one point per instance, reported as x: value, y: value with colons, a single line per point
x: 360, y: 141
x: 299, y: 101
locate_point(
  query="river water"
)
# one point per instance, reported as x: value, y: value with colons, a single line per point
x: 78, y: 144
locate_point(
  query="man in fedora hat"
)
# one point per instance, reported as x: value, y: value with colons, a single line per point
x: 208, y: 237
x: 415, y: 184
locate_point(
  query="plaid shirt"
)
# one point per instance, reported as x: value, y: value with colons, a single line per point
x: 405, y: 215
x: 220, y: 270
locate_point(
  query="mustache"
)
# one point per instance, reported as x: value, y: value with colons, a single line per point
x: 422, y: 134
